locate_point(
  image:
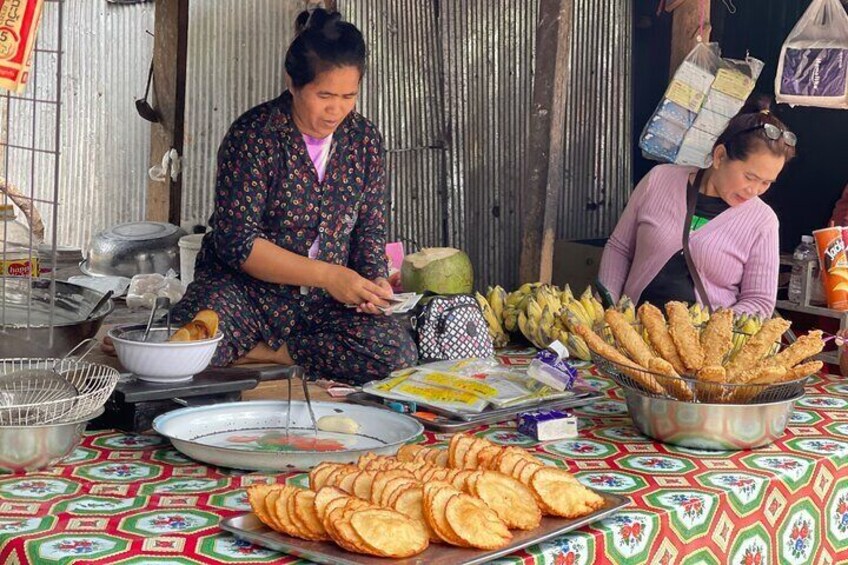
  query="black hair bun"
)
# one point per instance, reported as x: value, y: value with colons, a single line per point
x: 757, y: 102
x: 320, y: 20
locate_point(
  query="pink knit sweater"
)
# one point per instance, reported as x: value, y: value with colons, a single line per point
x: 737, y: 253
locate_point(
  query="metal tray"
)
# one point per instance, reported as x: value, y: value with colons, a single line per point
x: 250, y: 435
x: 248, y: 527
x: 445, y: 422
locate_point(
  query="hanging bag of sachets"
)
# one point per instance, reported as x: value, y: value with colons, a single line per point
x: 813, y: 66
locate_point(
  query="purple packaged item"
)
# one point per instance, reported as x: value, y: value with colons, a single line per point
x: 549, y: 367
x: 548, y: 425
x: 814, y: 72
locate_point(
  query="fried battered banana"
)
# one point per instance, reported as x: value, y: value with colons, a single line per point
x: 674, y: 385
x: 710, y: 380
x: 685, y: 336
x: 804, y: 347
x: 628, y: 338
x: 653, y: 321
x: 602, y: 348
x: 717, y: 337
x: 756, y: 349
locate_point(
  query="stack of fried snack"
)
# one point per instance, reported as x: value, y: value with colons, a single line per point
x: 332, y: 514
x: 671, y: 348
x: 470, y: 495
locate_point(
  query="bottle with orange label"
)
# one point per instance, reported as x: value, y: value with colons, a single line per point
x: 18, y: 249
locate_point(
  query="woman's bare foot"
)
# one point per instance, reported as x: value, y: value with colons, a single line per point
x: 107, y: 346
x: 262, y: 353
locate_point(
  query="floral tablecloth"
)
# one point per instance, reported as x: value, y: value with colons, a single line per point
x: 134, y: 499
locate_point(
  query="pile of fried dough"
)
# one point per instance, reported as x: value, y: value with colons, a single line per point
x: 470, y: 495
x: 668, y: 349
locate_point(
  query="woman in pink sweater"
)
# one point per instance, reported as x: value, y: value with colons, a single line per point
x: 733, y: 236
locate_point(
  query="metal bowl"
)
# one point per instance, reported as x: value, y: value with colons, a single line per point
x: 709, y: 426
x: 30, y: 448
x: 137, y: 248
x: 25, y: 321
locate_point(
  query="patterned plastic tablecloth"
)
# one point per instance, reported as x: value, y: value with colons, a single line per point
x: 133, y: 499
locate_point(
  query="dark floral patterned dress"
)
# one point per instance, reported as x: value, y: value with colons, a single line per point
x: 267, y: 187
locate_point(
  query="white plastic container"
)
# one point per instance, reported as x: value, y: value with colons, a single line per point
x: 189, y: 248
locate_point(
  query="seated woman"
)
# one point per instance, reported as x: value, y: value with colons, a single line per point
x: 733, y: 234
x: 295, y: 262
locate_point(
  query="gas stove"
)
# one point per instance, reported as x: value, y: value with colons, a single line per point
x: 135, y: 403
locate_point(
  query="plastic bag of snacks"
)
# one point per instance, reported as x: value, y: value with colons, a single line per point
x: 19, y: 21
x: 465, y: 385
x: 145, y: 289
x: 813, y: 65
x: 704, y: 94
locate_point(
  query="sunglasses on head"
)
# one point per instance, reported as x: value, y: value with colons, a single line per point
x: 773, y: 133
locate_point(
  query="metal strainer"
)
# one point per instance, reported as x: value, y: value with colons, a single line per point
x: 42, y: 391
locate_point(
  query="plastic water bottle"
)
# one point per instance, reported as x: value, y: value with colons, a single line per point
x: 804, y: 253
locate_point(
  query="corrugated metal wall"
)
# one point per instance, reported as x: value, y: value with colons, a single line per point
x: 598, y: 155
x: 478, y: 58
x: 449, y: 84
x: 235, y: 61
x: 104, y: 145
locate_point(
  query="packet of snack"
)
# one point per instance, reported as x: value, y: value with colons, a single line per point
x: 19, y: 20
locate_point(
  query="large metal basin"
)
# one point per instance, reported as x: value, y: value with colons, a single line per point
x: 709, y: 426
x: 30, y: 448
x: 25, y: 318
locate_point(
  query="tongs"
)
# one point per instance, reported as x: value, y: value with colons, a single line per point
x: 162, y: 303
x: 297, y: 371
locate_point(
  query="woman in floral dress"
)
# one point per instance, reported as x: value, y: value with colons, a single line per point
x: 295, y: 262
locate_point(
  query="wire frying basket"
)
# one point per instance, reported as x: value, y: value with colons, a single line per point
x: 656, y: 385
x: 35, y: 392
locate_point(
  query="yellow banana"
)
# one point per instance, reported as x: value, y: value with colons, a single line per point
x: 586, y: 301
x: 577, y: 348
x: 577, y: 309
x: 523, y: 324
x: 533, y: 309
x: 510, y: 319
x: 497, y: 298
x: 566, y: 296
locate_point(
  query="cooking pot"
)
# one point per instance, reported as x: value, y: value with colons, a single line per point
x: 25, y: 317
x: 137, y: 248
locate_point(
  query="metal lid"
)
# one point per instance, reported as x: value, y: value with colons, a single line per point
x: 137, y: 231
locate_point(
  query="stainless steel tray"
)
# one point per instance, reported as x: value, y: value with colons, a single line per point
x: 446, y: 422
x: 248, y: 527
x: 250, y: 435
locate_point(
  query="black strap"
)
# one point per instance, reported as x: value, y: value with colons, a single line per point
x: 691, y: 201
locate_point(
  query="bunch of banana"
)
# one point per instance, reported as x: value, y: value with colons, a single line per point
x: 516, y: 302
x: 626, y: 307
x: 744, y: 326
x: 496, y: 331
x: 699, y: 314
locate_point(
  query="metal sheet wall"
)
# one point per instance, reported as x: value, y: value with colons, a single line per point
x: 449, y: 84
x: 402, y: 95
x: 478, y: 60
x: 235, y: 61
x: 104, y: 145
x: 598, y: 155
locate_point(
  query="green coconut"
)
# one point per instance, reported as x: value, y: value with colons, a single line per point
x: 442, y: 270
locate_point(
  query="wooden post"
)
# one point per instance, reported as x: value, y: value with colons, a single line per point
x: 685, y: 23
x: 170, y: 48
x: 547, y: 137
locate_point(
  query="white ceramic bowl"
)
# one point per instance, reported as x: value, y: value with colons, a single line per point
x: 158, y: 360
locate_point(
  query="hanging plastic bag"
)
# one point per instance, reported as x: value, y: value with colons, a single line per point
x: 705, y: 92
x: 813, y: 66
